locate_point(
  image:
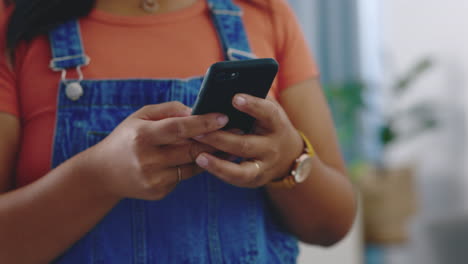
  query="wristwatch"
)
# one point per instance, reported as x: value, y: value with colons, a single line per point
x: 300, y: 170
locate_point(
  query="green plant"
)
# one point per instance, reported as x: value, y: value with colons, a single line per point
x: 345, y: 101
x: 421, y: 114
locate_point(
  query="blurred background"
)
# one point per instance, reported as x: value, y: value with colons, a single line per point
x: 395, y: 73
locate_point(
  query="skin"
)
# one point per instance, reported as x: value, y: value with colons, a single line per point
x: 319, y: 210
x: 142, y: 166
x: 132, y: 163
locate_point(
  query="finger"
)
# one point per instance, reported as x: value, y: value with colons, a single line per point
x: 246, y: 174
x: 266, y: 112
x: 186, y: 153
x: 181, y: 142
x: 246, y: 146
x: 175, y: 129
x: 166, y: 181
x: 171, y: 176
x: 271, y: 98
x: 187, y: 171
x: 163, y: 110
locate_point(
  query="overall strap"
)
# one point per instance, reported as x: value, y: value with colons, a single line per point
x: 67, y: 47
x: 227, y: 18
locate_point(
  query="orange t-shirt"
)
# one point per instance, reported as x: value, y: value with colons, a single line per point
x: 178, y: 44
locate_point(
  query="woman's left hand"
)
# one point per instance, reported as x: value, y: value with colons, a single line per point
x: 269, y: 152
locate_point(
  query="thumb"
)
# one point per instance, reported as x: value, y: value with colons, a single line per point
x: 163, y: 111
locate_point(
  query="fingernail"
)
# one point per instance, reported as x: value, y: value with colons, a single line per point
x: 222, y: 120
x: 240, y: 100
x: 202, y: 161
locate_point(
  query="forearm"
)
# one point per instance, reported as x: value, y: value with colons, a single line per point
x: 320, y: 210
x: 40, y: 221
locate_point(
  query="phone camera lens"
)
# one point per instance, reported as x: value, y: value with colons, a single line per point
x: 234, y: 75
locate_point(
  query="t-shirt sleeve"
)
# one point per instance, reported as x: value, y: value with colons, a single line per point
x: 8, y: 92
x: 292, y: 51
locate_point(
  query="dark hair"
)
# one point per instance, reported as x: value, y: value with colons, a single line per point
x: 31, y: 18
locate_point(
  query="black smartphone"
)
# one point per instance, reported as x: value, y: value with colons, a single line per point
x: 228, y: 78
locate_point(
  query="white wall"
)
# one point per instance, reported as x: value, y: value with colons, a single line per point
x: 411, y: 30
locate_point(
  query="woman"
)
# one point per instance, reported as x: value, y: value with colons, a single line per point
x: 115, y: 169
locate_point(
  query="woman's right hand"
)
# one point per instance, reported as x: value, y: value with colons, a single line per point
x: 140, y: 158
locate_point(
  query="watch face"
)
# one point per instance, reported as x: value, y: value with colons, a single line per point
x: 303, y: 169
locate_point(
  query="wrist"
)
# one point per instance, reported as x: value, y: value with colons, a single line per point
x: 92, y: 172
x: 301, y: 167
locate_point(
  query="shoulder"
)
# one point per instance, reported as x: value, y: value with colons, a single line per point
x: 275, y: 15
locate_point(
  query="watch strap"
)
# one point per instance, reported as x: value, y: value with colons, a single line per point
x: 289, y: 181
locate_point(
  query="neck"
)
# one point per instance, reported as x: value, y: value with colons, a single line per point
x: 133, y: 7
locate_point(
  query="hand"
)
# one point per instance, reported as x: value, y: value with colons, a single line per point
x: 269, y: 152
x: 141, y: 157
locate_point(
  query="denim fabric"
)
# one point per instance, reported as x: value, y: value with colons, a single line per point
x: 105, y: 104
x: 67, y: 48
x: 230, y: 27
x: 204, y: 220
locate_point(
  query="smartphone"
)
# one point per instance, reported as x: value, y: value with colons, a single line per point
x: 228, y: 78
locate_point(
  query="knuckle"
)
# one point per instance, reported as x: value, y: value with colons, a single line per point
x: 254, y: 178
x: 153, y: 188
x: 146, y: 108
x: 194, y: 150
x: 249, y: 179
x: 245, y: 148
x: 216, y: 138
x: 271, y: 150
x: 207, y: 124
x: 146, y: 175
x: 139, y: 135
x: 274, y: 155
x: 147, y: 170
x: 177, y: 104
x: 146, y: 185
x: 275, y: 111
x: 156, y: 195
x: 181, y: 130
x: 142, y: 110
x: 176, y: 128
x: 255, y: 102
x: 138, y: 157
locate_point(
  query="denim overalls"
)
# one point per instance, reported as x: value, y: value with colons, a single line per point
x: 204, y: 220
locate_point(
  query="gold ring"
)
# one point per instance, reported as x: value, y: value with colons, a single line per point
x: 179, y: 174
x: 256, y: 164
